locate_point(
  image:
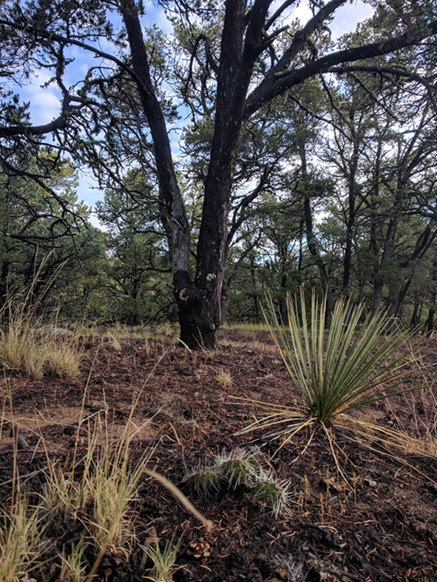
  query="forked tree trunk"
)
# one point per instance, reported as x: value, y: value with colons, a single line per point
x: 247, y: 33
x: 202, y: 306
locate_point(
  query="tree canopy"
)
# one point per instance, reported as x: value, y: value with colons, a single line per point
x: 262, y: 94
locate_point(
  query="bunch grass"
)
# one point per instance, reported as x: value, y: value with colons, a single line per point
x: 99, y: 493
x: 94, y: 494
x: 21, y: 540
x: 27, y: 346
x: 224, y: 379
x: 73, y: 566
x: 163, y: 561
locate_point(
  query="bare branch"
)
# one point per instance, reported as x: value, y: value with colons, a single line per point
x: 432, y: 89
x: 278, y: 13
x: 279, y: 79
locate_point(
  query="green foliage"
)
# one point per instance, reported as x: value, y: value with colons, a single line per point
x: 242, y: 469
x: 136, y: 281
x: 237, y: 467
x: 40, y: 230
x: 350, y: 147
x: 272, y: 492
x: 203, y: 482
x: 356, y: 363
x: 163, y: 561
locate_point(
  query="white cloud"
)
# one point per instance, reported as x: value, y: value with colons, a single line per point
x: 155, y: 15
x: 44, y: 106
x: 345, y: 19
x: 40, y: 77
x: 95, y: 222
x: 44, y: 102
x: 302, y: 12
x: 348, y: 16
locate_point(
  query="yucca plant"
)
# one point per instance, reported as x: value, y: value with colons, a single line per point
x: 353, y: 362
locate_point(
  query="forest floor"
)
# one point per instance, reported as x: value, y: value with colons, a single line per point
x: 381, y: 525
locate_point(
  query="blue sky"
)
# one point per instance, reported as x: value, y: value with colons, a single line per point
x: 45, y: 105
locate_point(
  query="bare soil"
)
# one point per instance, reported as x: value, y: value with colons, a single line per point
x: 383, y: 526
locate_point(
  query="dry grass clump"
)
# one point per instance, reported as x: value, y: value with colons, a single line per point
x: 93, y: 495
x: 73, y: 565
x: 100, y: 496
x: 112, y: 338
x: 224, y: 379
x: 21, y: 541
x: 63, y: 359
x: 24, y: 348
x: 28, y: 346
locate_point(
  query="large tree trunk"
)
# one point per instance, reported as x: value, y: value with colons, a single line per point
x: 168, y: 184
x: 202, y: 306
x: 202, y: 302
x: 200, y: 317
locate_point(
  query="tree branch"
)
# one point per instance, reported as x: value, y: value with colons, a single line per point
x: 391, y: 71
x: 279, y: 79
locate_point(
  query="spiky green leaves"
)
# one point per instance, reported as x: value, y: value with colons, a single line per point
x: 238, y: 467
x: 353, y: 362
x: 233, y: 469
x: 350, y: 363
x: 242, y: 468
x: 272, y: 492
x: 204, y: 482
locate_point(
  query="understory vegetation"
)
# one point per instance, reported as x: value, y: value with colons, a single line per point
x: 76, y: 520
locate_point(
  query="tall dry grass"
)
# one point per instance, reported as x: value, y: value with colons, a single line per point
x: 29, y: 346
x: 94, y: 495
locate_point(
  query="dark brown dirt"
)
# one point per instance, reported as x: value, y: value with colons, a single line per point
x: 381, y: 527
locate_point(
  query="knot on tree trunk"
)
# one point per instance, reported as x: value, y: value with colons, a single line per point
x: 192, y: 293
